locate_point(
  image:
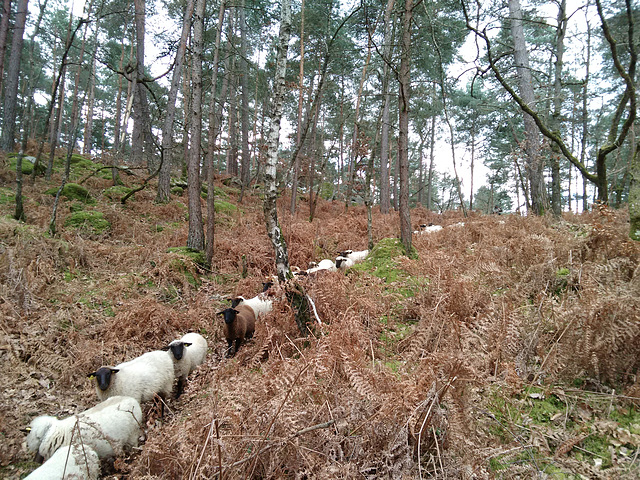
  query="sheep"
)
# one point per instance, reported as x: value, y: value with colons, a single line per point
x: 70, y: 461
x: 428, y: 228
x: 325, y: 264
x: 107, y: 427
x: 239, y: 324
x: 354, y: 256
x: 343, y: 263
x: 141, y: 378
x: 259, y: 304
x: 348, y: 258
x: 187, y: 353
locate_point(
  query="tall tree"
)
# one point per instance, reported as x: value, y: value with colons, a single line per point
x: 13, y: 75
x: 211, y: 210
x: 195, y: 238
x: 141, y: 134
x: 4, y: 34
x: 245, y: 162
x: 385, y: 194
x: 534, y: 164
x: 404, y: 97
x: 273, y: 134
x: 164, y: 176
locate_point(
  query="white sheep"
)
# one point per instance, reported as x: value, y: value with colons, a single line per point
x: 428, y: 228
x: 141, y: 378
x: 325, y: 264
x: 71, y: 461
x: 108, y: 428
x: 356, y: 257
x: 187, y: 353
x: 348, y: 258
x: 343, y: 263
x: 261, y: 303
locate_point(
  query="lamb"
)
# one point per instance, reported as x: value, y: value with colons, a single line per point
x: 108, y: 428
x: 239, y: 324
x: 187, y: 353
x: 70, y: 461
x: 261, y: 303
x: 325, y: 264
x: 141, y: 378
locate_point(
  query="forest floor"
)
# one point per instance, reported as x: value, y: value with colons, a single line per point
x: 507, y: 347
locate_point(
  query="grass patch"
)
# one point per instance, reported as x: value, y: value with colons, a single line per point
x: 383, y: 262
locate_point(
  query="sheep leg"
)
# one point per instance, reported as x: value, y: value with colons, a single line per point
x: 230, y: 351
x: 180, y: 387
x: 238, y: 343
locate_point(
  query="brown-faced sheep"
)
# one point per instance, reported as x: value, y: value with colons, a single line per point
x: 239, y: 324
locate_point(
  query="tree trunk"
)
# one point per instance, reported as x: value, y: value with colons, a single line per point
x: 164, y: 176
x: 404, y: 97
x: 556, y: 123
x: 4, y: 31
x: 385, y: 194
x: 355, y: 141
x: 13, y: 75
x: 273, y: 135
x: 534, y: 164
x: 211, y: 210
x: 88, y: 126
x: 195, y: 238
x: 245, y: 163
x: 141, y: 145
x: 296, y: 163
x: 431, y: 164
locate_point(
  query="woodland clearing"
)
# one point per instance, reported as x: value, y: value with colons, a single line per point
x: 507, y: 347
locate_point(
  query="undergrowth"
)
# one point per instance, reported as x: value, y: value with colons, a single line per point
x: 504, y: 348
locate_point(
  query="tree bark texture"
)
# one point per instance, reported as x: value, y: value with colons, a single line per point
x: 385, y: 186
x: 13, y: 75
x: 534, y: 164
x: 195, y: 238
x: 404, y: 80
x: 273, y: 135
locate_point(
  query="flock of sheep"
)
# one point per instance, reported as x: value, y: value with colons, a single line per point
x: 74, y: 446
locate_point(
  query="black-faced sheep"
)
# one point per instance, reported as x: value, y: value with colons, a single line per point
x: 69, y: 462
x: 239, y: 324
x: 187, y: 353
x: 141, y: 378
x: 108, y: 428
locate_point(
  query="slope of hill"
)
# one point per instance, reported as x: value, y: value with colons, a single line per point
x: 506, y: 347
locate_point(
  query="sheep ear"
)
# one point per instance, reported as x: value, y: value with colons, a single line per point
x: 115, y: 370
x: 187, y: 344
x: 91, y: 375
x: 165, y: 348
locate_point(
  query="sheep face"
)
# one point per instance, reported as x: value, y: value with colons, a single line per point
x: 103, y: 376
x: 266, y: 285
x: 229, y: 314
x: 234, y: 303
x: 178, y: 349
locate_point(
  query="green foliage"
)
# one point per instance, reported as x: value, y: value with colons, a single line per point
x: 88, y: 221
x: 225, y: 207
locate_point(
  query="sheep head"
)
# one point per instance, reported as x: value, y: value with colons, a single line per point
x: 229, y: 314
x: 103, y: 376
